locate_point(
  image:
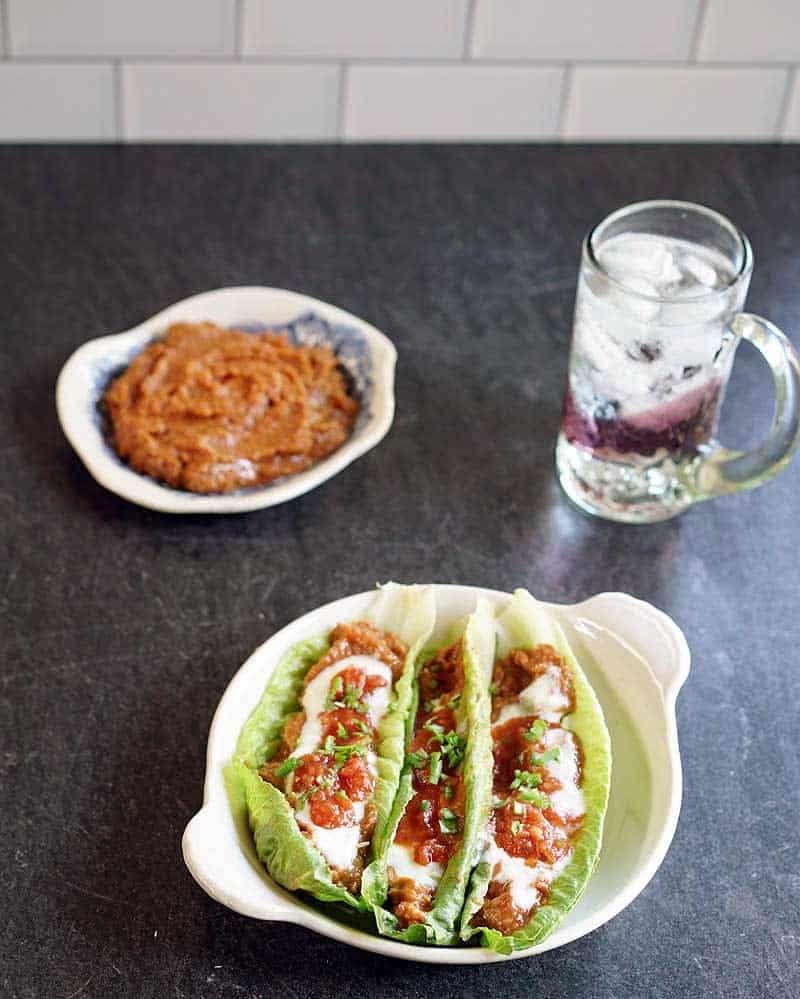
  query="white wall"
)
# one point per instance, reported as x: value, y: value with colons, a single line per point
x: 374, y: 70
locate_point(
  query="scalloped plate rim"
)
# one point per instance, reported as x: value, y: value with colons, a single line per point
x: 118, y: 478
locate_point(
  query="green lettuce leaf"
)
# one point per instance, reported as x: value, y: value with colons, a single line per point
x: 525, y: 623
x: 290, y: 857
x: 410, y: 613
x: 261, y: 735
x: 440, y: 924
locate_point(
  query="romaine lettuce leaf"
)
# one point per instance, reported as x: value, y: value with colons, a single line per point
x: 525, y: 623
x: 261, y: 735
x: 290, y: 857
x: 440, y: 924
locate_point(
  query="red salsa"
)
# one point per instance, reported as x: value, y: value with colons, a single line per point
x: 525, y: 825
x: 433, y: 821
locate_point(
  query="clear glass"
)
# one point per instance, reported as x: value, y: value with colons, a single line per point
x: 657, y: 322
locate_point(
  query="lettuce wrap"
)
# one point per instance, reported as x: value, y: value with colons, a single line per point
x: 525, y: 624
x: 291, y: 858
x: 439, y: 924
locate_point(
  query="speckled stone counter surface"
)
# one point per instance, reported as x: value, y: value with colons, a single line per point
x: 122, y: 627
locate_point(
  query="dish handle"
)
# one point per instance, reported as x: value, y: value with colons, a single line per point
x: 649, y: 632
x: 228, y: 875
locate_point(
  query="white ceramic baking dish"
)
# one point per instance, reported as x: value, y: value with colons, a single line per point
x: 636, y: 659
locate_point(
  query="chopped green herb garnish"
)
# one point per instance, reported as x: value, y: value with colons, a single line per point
x: 352, y: 698
x: 519, y: 808
x: 343, y: 753
x: 418, y: 758
x: 550, y: 756
x: 524, y: 778
x: 287, y: 766
x: 455, y: 699
x: 516, y: 827
x: 448, y: 821
x: 453, y: 747
x: 334, y: 693
x: 536, y: 731
x: 435, y: 768
x: 449, y: 791
x: 533, y: 797
x: 492, y: 689
x: 329, y: 744
x: 362, y: 727
x: 325, y: 781
x: 341, y: 795
x: 452, y: 744
x: 425, y: 806
x: 341, y: 731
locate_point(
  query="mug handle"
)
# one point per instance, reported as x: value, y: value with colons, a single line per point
x: 722, y: 470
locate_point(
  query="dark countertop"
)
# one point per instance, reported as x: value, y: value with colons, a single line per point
x: 121, y: 627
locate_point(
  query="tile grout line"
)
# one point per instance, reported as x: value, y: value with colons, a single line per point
x: 417, y: 62
x: 344, y: 93
x: 238, y: 30
x: 566, y: 93
x: 119, y: 102
x: 786, y: 100
x: 697, y: 31
x: 4, y: 32
x: 469, y: 31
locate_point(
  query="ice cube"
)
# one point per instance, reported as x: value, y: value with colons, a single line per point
x: 705, y: 274
x: 632, y: 256
x: 642, y: 308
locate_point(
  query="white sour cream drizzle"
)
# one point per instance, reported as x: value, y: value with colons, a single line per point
x: 542, y: 698
x: 401, y: 858
x: 522, y: 878
x: 338, y: 846
x: 567, y: 802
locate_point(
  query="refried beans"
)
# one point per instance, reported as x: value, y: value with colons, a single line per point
x: 211, y: 410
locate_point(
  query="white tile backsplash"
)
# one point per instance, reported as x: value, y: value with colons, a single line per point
x: 58, y: 102
x: 583, y: 29
x: 419, y: 29
x: 674, y: 103
x: 452, y: 102
x: 233, y: 101
x: 483, y: 70
x: 740, y: 30
x: 121, y: 27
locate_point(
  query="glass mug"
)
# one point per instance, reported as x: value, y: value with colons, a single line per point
x: 657, y: 323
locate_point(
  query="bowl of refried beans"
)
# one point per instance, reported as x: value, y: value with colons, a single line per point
x: 232, y: 400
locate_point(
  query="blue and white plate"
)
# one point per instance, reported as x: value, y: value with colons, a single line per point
x: 367, y: 354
